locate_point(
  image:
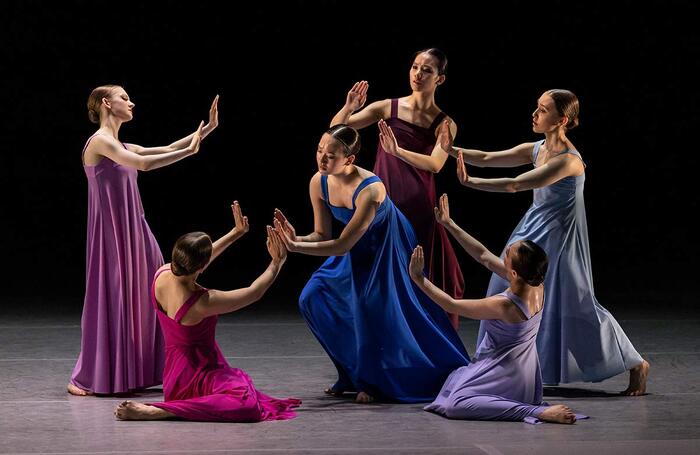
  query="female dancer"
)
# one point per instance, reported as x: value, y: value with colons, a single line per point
x: 386, y: 338
x: 407, y: 158
x: 503, y: 382
x: 121, y: 346
x: 198, y: 382
x: 579, y: 340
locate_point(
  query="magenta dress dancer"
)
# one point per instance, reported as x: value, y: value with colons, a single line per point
x: 199, y: 384
x: 503, y: 382
x: 413, y: 191
x: 121, y: 348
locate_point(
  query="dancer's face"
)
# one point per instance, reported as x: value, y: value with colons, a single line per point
x: 330, y: 156
x: 546, y: 118
x: 424, y: 75
x: 120, y: 105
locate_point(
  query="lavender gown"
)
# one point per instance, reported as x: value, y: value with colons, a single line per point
x: 121, y: 348
x: 579, y: 339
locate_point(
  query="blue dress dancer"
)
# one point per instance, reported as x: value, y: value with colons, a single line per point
x: 579, y: 340
x: 387, y: 339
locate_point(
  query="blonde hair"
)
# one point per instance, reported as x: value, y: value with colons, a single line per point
x: 95, y: 101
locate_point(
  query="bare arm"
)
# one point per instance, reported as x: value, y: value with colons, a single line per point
x: 322, y: 217
x: 185, y: 141
x: 220, y: 302
x: 472, y: 246
x: 554, y: 170
x: 111, y: 148
x: 495, y: 307
x: 433, y: 162
x: 356, y: 98
x: 366, y: 205
x: 240, y: 228
x: 516, y: 156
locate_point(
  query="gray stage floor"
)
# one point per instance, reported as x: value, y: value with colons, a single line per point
x: 278, y: 351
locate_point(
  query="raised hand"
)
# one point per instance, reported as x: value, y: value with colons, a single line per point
x: 275, y: 246
x: 442, y: 211
x: 445, y: 138
x: 285, y: 225
x: 213, y: 117
x: 415, y: 268
x: 462, y: 170
x: 196, y: 139
x: 357, y: 96
x: 241, y: 222
x: 387, y: 139
x: 289, y: 244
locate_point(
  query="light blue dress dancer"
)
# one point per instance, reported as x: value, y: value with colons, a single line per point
x: 579, y: 340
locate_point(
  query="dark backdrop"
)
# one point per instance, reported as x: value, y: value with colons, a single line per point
x: 282, y: 72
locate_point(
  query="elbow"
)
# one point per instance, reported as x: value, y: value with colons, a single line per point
x: 513, y: 187
x: 144, y: 165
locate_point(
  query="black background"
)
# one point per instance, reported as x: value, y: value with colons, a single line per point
x: 283, y: 71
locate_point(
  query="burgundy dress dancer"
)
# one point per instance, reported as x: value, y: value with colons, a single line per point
x: 413, y: 191
x: 199, y: 384
x: 121, y: 348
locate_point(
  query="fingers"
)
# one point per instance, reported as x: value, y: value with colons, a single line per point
x: 215, y: 103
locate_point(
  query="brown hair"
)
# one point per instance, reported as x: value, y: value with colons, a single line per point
x: 530, y: 263
x: 191, y: 252
x: 438, y: 55
x: 95, y: 101
x: 567, y: 105
x: 348, y: 137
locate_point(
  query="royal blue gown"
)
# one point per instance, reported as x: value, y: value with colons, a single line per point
x: 384, y: 335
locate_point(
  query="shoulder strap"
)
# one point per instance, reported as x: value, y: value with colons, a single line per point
x: 188, y: 304
x: 324, y: 187
x: 536, y: 150
x: 362, y: 185
x: 154, y: 301
x: 436, y: 122
x: 518, y: 302
x: 394, y: 108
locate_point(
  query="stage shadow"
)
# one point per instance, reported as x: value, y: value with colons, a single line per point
x: 572, y: 392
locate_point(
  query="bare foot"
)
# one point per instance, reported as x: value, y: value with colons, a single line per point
x: 558, y: 414
x: 131, y: 410
x: 638, y: 380
x: 77, y: 391
x: 364, y: 397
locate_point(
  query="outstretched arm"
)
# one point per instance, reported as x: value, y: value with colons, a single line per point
x: 181, y: 143
x: 220, y: 302
x: 433, y: 162
x: 356, y: 98
x: 240, y: 228
x: 111, y: 148
x: 516, y: 156
x: 495, y: 307
x: 322, y: 217
x: 472, y: 246
x: 366, y: 206
x: 554, y: 170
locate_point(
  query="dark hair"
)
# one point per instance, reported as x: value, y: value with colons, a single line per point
x: 567, y: 105
x: 347, y: 136
x: 191, y: 252
x: 438, y: 55
x: 95, y: 100
x: 530, y: 262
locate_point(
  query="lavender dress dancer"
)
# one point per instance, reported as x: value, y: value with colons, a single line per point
x: 503, y: 382
x: 579, y: 339
x: 121, y: 347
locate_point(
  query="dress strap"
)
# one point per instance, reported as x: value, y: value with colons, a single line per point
x: 518, y: 302
x: 82, y: 154
x: 324, y: 188
x: 362, y: 185
x: 153, y: 288
x: 188, y: 304
x: 436, y: 122
x: 394, y: 108
x: 536, y: 150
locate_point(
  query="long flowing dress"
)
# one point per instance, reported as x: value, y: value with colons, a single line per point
x: 384, y: 335
x: 121, y: 348
x: 199, y: 384
x: 579, y: 339
x: 413, y: 192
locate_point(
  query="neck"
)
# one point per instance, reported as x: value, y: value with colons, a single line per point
x: 519, y: 287
x: 188, y: 281
x: 556, y: 140
x: 422, y: 101
x: 110, y: 126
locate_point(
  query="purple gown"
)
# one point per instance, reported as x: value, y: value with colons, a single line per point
x: 198, y: 382
x: 121, y: 348
x: 413, y: 191
x: 503, y: 382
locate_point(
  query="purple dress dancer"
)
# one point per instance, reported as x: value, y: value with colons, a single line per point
x: 503, y: 382
x: 121, y: 348
x: 199, y: 384
x: 413, y: 191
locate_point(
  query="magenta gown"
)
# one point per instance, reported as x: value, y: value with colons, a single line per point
x: 121, y: 348
x: 413, y: 191
x: 199, y: 384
